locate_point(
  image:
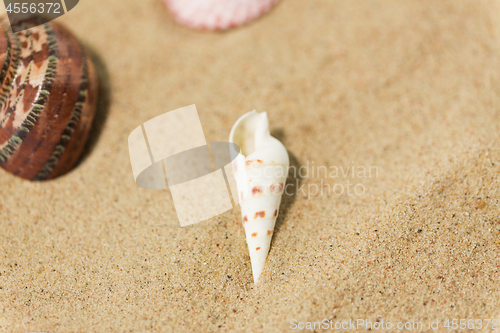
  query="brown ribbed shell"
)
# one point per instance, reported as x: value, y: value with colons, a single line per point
x: 48, y: 96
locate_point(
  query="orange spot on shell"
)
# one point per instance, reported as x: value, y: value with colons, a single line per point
x: 275, y: 213
x: 254, y: 234
x: 257, y: 248
x: 274, y: 186
x: 269, y: 232
x: 249, y: 162
x: 245, y: 219
x: 260, y: 214
x: 256, y: 190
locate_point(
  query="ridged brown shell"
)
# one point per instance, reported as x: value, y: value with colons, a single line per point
x: 48, y: 97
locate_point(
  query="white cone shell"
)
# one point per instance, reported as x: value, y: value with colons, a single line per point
x: 260, y: 178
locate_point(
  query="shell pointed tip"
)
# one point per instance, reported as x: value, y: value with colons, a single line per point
x: 257, y: 271
x: 256, y: 278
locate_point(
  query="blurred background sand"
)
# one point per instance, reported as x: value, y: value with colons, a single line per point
x: 411, y: 88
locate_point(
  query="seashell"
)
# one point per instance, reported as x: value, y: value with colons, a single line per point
x: 217, y: 14
x: 48, y: 96
x: 260, y: 173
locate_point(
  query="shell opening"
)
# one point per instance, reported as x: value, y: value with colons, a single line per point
x: 248, y: 129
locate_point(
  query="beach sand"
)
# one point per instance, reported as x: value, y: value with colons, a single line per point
x: 408, y: 90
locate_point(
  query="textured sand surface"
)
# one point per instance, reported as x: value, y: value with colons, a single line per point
x: 411, y: 88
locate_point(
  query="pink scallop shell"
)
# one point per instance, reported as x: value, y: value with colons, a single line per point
x: 217, y: 14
